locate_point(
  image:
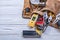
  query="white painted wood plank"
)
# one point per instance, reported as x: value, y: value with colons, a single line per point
x: 13, y: 29
x: 11, y: 2
x: 8, y: 31
x: 10, y: 14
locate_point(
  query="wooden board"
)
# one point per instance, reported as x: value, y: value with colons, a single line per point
x: 26, y: 5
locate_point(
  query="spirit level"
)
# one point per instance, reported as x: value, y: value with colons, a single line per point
x: 33, y: 20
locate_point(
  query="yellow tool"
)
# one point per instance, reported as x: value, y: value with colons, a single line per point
x: 39, y: 31
x: 51, y: 14
x: 33, y: 20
